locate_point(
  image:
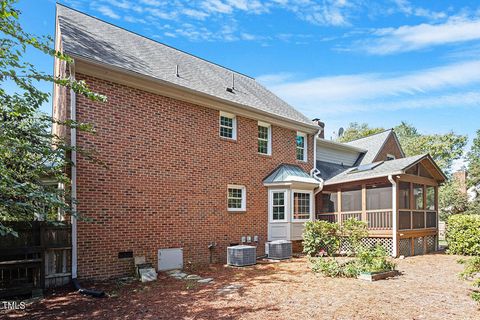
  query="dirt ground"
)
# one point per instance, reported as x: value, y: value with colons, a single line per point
x: 428, y: 288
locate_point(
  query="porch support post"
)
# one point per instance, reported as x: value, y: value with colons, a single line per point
x: 364, y: 203
x: 394, y: 216
x: 339, y: 205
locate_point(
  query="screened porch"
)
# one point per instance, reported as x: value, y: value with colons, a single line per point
x: 372, y: 202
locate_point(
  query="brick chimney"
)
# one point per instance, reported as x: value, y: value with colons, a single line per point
x: 461, y: 177
x: 322, y: 127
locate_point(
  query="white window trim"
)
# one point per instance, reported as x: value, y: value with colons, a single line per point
x: 305, y: 146
x: 292, y: 197
x: 269, y: 141
x: 234, y: 124
x: 270, y: 206
x: 391, y: 156
x: 244, y: 198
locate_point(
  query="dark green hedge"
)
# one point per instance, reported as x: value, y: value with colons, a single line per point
x: 463, y: 234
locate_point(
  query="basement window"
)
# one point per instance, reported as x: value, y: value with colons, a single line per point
x: 228, y: 126
x: 236, y: 198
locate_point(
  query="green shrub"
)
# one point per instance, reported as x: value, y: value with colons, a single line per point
x: 329, y: 267
x: 374, y: 260
x: 463, y: 234
x: 471, y: 272
x: 321, y: 236
x: 353, y: 232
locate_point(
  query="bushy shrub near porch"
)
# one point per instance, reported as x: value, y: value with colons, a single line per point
x: 325, y: 238
x: 463, y: 234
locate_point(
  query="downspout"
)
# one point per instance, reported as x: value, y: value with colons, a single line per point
x: 73, y: 144
x: 315, y: 173
x: 394, y: 218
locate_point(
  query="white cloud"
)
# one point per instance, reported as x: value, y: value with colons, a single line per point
x: 217, y: 6
x: 107, y: 11
x: 154, y: 3
x: 197, y: 14
x: 410, y: 38
x: 407, y: 8
x: 443, y: 86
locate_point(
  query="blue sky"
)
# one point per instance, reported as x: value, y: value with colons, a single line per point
x: 378, y: 62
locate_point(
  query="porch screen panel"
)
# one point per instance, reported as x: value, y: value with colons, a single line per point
x: 404, y: 195
x: 352, y: 200
x: 430, y: 198
x: 418, y: 196
x: 379, y: 197
x: 329, y: 203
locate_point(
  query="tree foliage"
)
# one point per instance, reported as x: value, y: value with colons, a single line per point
x: 29, y: 152
x: 451, y: 200
x: 444, y: 148
x: 357, y: 130
x: 473, y: 158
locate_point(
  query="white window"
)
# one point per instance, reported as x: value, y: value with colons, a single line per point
x: 264, y: 138
x: 301, y: 146
x: 302, y: 205
x: 390, y: 157
x: 228, y: 126
x: 278, y: 205
x: 236, y: 198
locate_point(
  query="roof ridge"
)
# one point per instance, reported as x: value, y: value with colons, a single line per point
x: 371, y: 135
x: 158, y: 42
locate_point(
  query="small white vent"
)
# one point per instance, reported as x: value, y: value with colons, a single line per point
x: 241, y: 255
x: 280, y: 249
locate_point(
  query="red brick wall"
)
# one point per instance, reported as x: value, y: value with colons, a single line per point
x: 390, y: 147
x: 165, y: 180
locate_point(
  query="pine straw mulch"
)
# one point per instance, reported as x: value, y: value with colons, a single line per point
x: 428, y: 288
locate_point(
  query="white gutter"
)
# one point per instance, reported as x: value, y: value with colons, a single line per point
x: 315, y: 172
x: 394, y: 218
x: 73, y: 144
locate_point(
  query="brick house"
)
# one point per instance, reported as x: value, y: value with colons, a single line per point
x: 199, y: 157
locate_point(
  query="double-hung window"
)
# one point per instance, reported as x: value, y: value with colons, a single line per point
x: 228, y: 126
x: 302, y: 206
x: 301, y: 146
x: 236, y: 198
x: 279, y: 202
x: 264, y: 138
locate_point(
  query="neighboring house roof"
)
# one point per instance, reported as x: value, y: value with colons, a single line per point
x: 97, y: 41
x: 382, y: 169
x: 289, y: 173
x: 373, y: 144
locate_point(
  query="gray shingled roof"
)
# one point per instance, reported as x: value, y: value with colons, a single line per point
x: 329, y: 170
x: 382, y: 169
x: 373, y: 144
x: 288, y: 173
x: 88, y: 37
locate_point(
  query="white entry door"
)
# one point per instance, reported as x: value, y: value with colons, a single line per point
x: 278, y: 214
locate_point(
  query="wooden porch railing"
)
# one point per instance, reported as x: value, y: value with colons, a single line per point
x: 375, y: 219
x: 380, y: 220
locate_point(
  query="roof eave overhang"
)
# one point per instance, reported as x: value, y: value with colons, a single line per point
x: 134, y: 79
x: 340, y: 145
x: 383, y: 175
